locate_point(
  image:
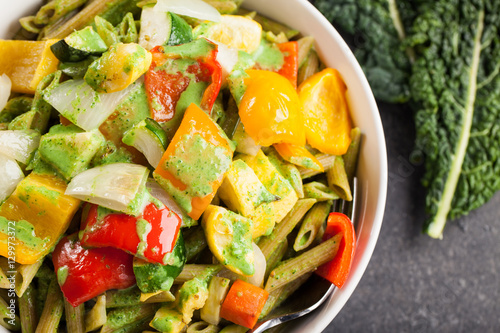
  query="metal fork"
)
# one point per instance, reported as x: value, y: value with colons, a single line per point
x: 317, y: 289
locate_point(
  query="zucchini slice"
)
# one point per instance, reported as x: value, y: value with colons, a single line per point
x: 79, y: 45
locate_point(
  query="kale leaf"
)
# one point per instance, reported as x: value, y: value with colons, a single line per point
x: 456, y: 85
x: 372, y: 26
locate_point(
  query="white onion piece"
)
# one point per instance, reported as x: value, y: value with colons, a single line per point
x: 257, y: 279
x: 155, y: 28
x: 19, y: 144
x: 159, y: 193
x: 5, y: 86
x: 149, y: 146
x: 114, y: 186
x: 227, y: 57
x: 81, y: 105
x: 193, y: 8
x: 11, y: 176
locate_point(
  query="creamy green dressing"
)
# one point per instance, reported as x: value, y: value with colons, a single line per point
x: 197, y: 163
x: 25, y: 232
x: 62, y: 275
x: 143, y: 228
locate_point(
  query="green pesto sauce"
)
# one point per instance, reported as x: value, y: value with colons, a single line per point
x: 51, y: 195
x: 196, y: 49
x: 62, y: 275
x: 268, y: 56
x: 240, y: 248
x: 197, y: 163
x: 143, y: 229
x: 192, y: 94
x: 25, y: 232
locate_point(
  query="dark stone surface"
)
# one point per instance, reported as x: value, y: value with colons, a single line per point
x: 415, y: 283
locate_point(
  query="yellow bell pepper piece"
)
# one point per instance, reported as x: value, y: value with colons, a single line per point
x: 26, y: 63
x: 326, y: 112
x: 34, y: 217
x: 270, y: 109
x: 117, y: 68
x: 298, y: 155
x: 268, y: 214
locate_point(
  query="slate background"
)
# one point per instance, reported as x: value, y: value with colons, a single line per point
x: 417, y: 284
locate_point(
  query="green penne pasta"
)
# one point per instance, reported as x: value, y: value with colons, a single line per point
x: 75, y: 317
x: 7, y: 319
x: 27, y: 310
x: 319, y: 191
x: 309, y: 67
x: 52, y: 310
x: 122, y: 317
x: 26, y: 273
x: 276, y: 257
x: 326, y: 161
x: 195, y: 242
x: 96, y: 317
x: 311, y: 225
x: 305, y: 46
x: 202, y: 327
x: 191, y: 271
x: 277, y: 296
x: 268, y: 244
x: 337, y: 179
x: 55, y: 10
x: 351, y: 156
x: 308, y: 261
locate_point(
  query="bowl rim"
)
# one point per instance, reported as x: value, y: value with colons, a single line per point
x: 321, y: 318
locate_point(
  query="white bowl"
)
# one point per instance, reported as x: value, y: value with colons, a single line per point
x: 372, y: 168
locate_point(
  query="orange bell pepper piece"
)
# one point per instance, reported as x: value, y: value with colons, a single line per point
x: 298, y: 155
x: 290, y: 66
x: 243, y: 304
x: 270, y: 109
x: 337, y: 270
x: 326, y: 112
x: 193, y: 166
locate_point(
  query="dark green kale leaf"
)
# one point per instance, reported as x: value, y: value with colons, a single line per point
x: 372, y: 26
x: 456, y: 84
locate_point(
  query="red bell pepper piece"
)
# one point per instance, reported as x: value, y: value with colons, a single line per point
x: 243, y: 304
x: 151, y: 235
x: 337, y: 270
x: 165, y: 83
x: 290, y: 66
x: 85, y: 273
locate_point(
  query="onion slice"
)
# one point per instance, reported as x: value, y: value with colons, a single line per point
x: 19, y: 144
x: 155, y: 28
x: 193, y: 8
x: 81, y: 105
x: 117, y: 186
x: 11, y: 176
x: 5, y: 87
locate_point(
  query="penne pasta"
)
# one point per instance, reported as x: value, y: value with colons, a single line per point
x: 123, y: 317
x: 27, y: 310
x: 351, y: 156
x: 52, y: 310
x: 191, y: 271
x: 75, y: 317
x: 202, y: 327
x: 276, y: 257
x: 268, y: 244
x: 319, y: 191
x: 337, y: 179
x: 308, y: 261
x: 309, y: 67
x: 326, y: 161
x: 311, y: 225
x: 26, y: 273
